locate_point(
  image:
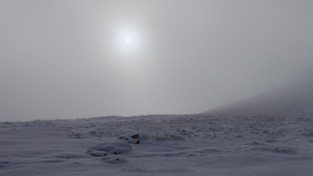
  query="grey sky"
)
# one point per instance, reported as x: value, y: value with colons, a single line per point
x: 61, y: 59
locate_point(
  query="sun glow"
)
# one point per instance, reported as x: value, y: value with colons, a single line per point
x: 128, y: 42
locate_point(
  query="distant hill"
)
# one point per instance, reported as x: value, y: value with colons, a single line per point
x: 293, y: 99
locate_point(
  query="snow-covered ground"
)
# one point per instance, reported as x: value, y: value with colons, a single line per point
x: 202, y: 144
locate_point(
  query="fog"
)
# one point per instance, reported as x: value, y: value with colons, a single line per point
x: 68, y: 59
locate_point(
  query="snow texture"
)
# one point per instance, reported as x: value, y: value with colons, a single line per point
x: 200, y: 144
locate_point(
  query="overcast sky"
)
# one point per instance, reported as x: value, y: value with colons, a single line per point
x: 74, y: 58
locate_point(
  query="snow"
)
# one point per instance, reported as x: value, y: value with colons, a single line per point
x: 267, y: 135
x: 201, y: 144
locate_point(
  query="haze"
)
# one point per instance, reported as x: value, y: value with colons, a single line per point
x: 63, y: 59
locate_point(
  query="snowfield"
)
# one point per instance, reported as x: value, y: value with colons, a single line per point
x: 202, y: 144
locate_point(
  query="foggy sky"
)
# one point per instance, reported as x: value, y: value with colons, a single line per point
x: 59, y: 59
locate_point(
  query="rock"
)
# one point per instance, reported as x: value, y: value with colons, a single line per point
x: 133, y: 139
x: 136, y: 136
x: 75, y: 135
x: 123, y: 138
x: 97, y: 153
x: 68, y: 156
x: 115, y: 148
x: 114, y: 159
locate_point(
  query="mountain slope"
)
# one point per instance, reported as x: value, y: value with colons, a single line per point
x: 294, y: 99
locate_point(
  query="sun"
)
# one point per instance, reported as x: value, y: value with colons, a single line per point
x: 127, y: 40
x: 128, y: 43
